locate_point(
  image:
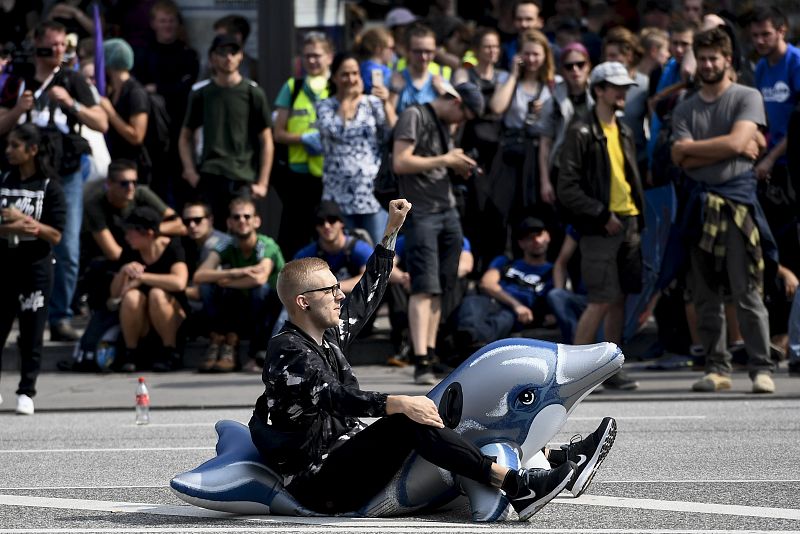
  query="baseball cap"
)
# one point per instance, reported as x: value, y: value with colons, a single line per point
x: 224, y: 39
x: 399, y: 16
x: 529, y: 225
x: 328, y: 208
x: 470, y: 96
x: 612, y: 72
x: 143, y: 218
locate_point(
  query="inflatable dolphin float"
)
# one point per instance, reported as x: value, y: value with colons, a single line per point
x: 510, y: 399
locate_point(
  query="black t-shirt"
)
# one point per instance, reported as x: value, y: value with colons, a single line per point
x: 132, y: 101
x: 99, y: 214
x: 173, y: 253
x: 39, y: 197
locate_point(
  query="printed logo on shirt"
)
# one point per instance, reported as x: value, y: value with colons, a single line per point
x: 530, y: 279
x: 32, y: 303
x: 779, y: 92
x: 30, y: 203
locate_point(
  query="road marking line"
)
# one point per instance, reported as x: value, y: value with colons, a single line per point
x: 167, y: 425
x: 642, y: 417
x: 123, y: 449
x: 707, y: 481
x: 57, y: 488
x: 386, y: 527
x: 682, y: 506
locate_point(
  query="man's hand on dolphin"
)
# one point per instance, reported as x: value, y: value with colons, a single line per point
x: 419, y: 409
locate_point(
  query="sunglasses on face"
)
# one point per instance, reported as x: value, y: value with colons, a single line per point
x: 333, y: 290
x: 330, y: 219
x: 240, y: 216
x: 193, y: 220
x: 576, y: 65
x: 126, y: 183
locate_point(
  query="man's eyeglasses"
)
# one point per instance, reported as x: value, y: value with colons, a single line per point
x: 330, y: 219
x: 333, y: 290
x: 193, y: 220
x: 239, y: 216
x: 423, y: 52
x: 577, y: 64
x: 126, y: 183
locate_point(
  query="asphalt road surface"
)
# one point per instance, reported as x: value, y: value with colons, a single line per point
x: 685, y: 466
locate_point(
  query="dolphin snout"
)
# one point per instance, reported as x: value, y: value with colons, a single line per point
x: 583, y: 367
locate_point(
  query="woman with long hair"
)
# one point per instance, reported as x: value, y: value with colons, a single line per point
x: 33, y: 212
x: 352, y: 128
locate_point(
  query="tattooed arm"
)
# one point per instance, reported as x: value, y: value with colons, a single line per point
x: 398, y: 210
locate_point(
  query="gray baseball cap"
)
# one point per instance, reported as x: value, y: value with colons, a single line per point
x: 469, y: 94
x: 612, y: 72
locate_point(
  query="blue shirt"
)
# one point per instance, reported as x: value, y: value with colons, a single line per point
x: 525, y: 282
x: 669, y: 76
x: 366, y: 74
x: 342, y: 264
x: 779, y: 84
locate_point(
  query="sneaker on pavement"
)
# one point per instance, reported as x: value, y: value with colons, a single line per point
x: 621, y: 381
x: 423, y: 374
x: 712, y: 382
x: 540, y: 487
x: 63, y: 331
x: 762, y: 383
x: 589, y: 453
x: 24, y: 405
x: 227, y: 359
x: 212, y: 355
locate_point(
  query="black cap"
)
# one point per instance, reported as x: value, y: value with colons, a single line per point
x: 143, y: 218
x: 328, y: 208
x: 224, y: 39
x: 529, y: 225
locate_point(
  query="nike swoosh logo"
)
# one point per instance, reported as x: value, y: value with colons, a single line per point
x: 530, y: 494
x: 581, y: 460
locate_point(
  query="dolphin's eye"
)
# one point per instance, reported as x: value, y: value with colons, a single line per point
x: 526, y: 397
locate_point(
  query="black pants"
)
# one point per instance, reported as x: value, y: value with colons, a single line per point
x: 218, y: 191
x: 300, y: 195
x: 362, y: 466
x: 24, y: 294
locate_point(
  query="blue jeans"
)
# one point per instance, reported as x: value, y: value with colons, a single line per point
x: 567, y: 307
x: 68, y: 251
x: 485, y: 319
x: 373, y: 223
x: 794, y: 330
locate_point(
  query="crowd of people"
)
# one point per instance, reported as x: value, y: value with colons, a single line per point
x: 535, y: 143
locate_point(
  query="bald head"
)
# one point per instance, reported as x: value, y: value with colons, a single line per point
x: 298, y: 276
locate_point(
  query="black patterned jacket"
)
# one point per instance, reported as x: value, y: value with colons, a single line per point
x: 312, y: 399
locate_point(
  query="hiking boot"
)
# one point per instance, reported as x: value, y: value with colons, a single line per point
x: 423, y: 374
x: 227, y: 359
x: 63, y: 331
x: 712, y: 382
x: 212, y: 355
x: 24, y: 405
x: 762, y: 383
x: 589, y: 453
x: 621, y: 381
x: 539, y: 487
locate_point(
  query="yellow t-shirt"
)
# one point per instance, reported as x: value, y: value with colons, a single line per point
x: 621, y: 202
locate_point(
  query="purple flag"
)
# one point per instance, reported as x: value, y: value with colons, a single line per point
x: 99, y: 57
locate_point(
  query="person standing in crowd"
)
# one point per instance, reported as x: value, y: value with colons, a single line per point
x: 778, y: 80
x: 58, y: 101
x: 621, y: 45
x: 600, y: 188
x: 511, y: 183
x: 422, y: 157
x: 169, y: 67
x: 238, y: 27
x: 32, y: 215
x: 375, y: 48
x: 127, y: 109
x: 300, y: 186
x: 714, y: 134
x: 527, y: 16
x: 571, y: 97
x: 246, y: 269
x: 416, y: 84
x: 352, y: 127
x: 150, y: 286
x: 655, y: 54
x: 237, y: 132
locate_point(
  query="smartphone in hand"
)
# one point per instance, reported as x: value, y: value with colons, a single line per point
x: 377, y: 78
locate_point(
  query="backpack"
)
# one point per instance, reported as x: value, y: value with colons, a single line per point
x: 157, y: 138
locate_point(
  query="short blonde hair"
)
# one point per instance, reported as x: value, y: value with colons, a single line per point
x: 295, y: 278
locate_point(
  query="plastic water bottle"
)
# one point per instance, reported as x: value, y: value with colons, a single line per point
x: 142, y: 403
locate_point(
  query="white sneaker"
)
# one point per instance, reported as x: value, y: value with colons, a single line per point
x: 24, y: 405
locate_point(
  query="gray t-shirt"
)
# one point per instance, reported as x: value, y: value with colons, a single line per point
x: 430, y: 191
x: 697, y: 119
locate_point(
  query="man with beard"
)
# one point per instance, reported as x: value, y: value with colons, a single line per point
x: 513, y: 292
x: 250, y: 266
x: 715, y: 134
x: 601, y: 191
